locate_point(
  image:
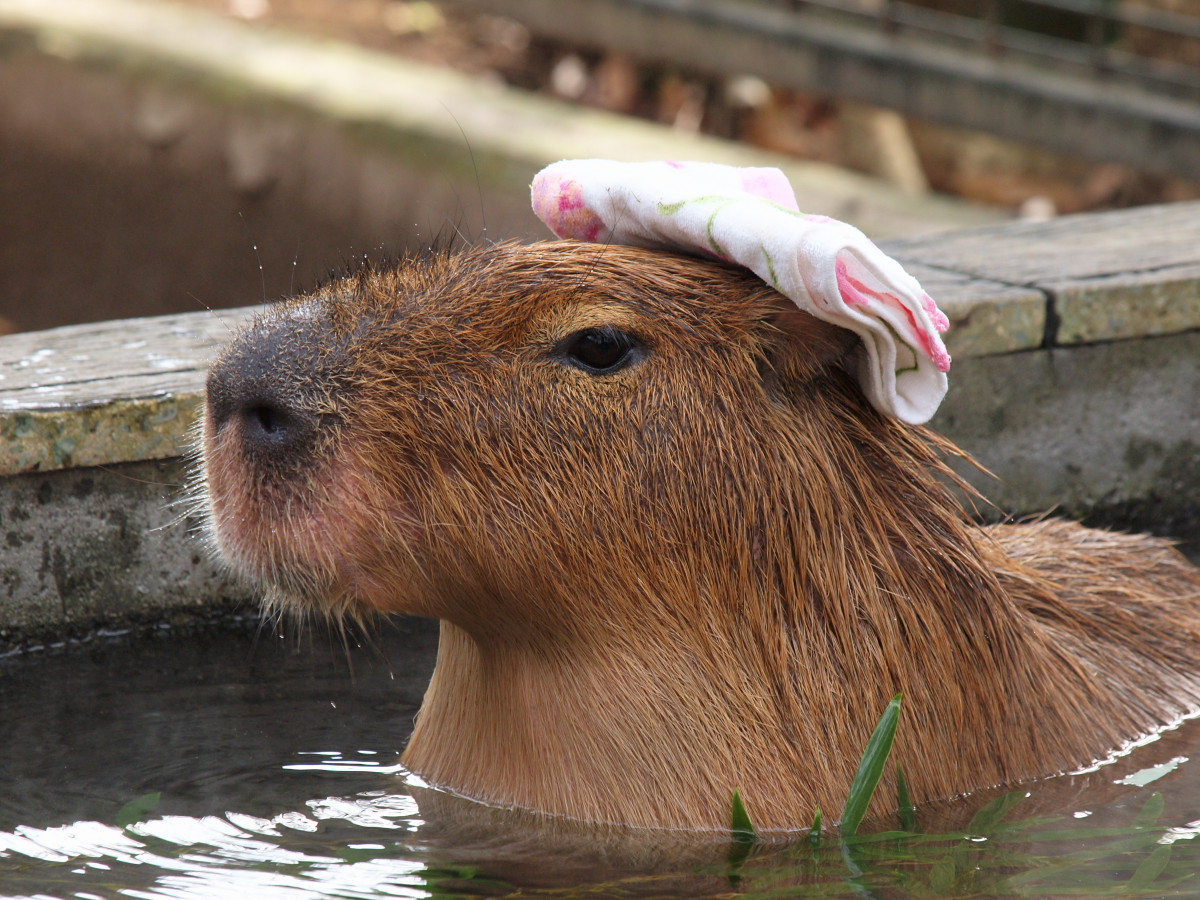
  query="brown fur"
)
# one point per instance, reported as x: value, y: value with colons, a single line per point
x: 707, y: 571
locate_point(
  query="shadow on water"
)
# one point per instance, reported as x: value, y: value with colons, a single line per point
x: 220, y: 765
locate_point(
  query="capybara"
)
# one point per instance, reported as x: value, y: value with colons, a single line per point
x: 673, y: 549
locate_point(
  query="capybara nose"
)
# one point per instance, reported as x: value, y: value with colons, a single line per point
x: 270, y: 425
x: 270, y: 390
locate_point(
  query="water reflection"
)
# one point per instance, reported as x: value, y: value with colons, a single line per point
x: 225, y: 766
x: 375, y: 844
x: 211, y: 856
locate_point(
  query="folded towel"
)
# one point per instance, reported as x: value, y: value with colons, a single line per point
x: 749, y: 217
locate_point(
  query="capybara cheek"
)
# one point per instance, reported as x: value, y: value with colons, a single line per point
x: 227, y: 486
x: 322, y: 539
x: 266, y: 524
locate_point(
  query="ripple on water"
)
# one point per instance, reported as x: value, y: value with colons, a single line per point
x: 225, y: 766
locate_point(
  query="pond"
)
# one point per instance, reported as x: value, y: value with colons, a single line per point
x: 235, y: 763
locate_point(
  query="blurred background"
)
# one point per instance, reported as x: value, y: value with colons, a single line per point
x: 164, y: 156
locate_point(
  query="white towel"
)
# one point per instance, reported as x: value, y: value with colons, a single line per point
x: 749, y: 217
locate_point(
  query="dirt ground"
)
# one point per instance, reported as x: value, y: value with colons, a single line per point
x: 923, y: 156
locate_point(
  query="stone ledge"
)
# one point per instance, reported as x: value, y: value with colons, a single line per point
x: 985, y: 316
x: 1128, y: 305
x: 105, y: 393
x: 1078, y: 428
x: 1108, y: 276
x: 92, y: 545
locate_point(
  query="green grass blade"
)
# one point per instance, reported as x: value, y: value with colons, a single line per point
x: 904, y: 804
x: 1150, y: 868
x: 742, y: 828
x: 986, y: 819
x: 814, y: 833
x: 1151, y: 810
x: 136, y: 810
x: 870, y: 767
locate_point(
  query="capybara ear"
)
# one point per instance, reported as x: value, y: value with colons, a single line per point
x: 798, y: 345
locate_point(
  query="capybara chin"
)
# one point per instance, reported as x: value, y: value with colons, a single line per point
x: 673, y: 549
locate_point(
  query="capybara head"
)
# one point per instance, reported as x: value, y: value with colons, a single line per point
x: 674, y: 550
x: 465, y: 436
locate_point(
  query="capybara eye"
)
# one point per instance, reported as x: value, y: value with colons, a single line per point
x: 600, y: 351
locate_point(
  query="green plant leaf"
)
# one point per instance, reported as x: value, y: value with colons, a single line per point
x: 742, y: 828
x: 462, y: 880
x: 870, y: 767
x: 993, y: 811
x: 943, y: 874
x: 814, y: 833
x: 1151, y: 810
x: 135, y: 810
x: 1150, y: 868
x: 904, y: 804
x: 742, y: 832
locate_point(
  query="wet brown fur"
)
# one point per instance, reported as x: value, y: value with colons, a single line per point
x: 707, y: 571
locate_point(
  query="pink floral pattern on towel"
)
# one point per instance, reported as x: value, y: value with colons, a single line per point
x: 560, y: 200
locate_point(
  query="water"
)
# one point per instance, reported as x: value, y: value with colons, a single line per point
x: 219, y: 765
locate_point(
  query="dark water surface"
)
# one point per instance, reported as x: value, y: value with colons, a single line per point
x: 221, y: 765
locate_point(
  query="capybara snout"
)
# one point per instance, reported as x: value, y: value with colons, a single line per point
x: 275, y: 389
x: 674, y: 549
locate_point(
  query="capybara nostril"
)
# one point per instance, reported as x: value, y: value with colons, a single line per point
x: 273, y: 422
x: 271, y: 427
x: 265, y: 415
